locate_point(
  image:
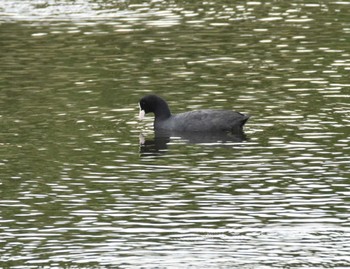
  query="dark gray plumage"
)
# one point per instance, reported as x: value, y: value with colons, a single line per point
x: 206, y: 120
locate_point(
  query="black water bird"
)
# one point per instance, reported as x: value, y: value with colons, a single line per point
x: 205, y: 120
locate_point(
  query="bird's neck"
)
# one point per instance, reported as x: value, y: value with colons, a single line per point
x: 162, y: 112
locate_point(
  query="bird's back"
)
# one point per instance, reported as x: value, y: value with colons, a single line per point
x: 207, y: 120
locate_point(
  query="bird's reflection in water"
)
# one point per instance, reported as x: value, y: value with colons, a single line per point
x: 159, y: 144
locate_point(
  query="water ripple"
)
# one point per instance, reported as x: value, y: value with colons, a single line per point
x: 86, y: 185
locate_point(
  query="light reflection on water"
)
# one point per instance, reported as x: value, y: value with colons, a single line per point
x: 85, y: 185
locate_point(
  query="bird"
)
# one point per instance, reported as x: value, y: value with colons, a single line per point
x: 204, y: 120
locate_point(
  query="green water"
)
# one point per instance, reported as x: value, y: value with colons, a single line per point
x: 84, y: 184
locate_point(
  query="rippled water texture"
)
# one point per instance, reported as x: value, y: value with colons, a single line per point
x: 84, y: 184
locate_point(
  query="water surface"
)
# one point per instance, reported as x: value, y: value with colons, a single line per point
x: 84, y: 184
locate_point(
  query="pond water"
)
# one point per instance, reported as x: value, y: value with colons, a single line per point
x: 84, y: 184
